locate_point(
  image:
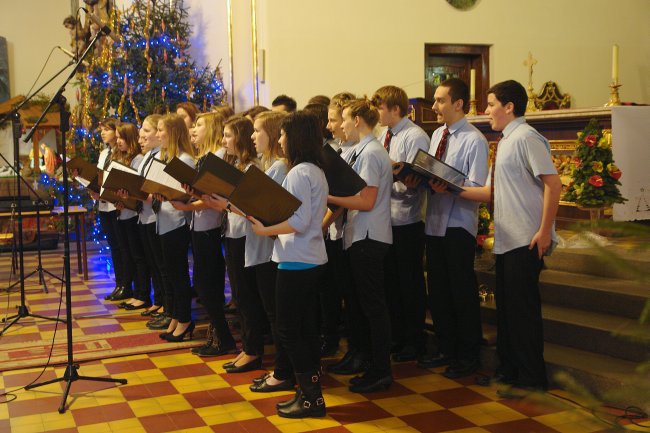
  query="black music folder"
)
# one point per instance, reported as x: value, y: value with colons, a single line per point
x: 88, y: 174
x: 183, y: 173
x: 158, y: 182
x: 342, y: 180
x: 216, y: 176
x: 426, y: 166
x: 123, y: 177
x: 260, y: 196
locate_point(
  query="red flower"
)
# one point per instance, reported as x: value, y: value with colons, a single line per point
x: 590, y: 140
x: 577, y: 161
x: 596, y: 181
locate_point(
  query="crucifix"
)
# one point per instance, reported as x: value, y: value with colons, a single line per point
x: 530, y: 62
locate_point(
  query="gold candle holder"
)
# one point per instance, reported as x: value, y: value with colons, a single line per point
x: 613, y: 95
x: 530, y: 106
x: 472, y: 108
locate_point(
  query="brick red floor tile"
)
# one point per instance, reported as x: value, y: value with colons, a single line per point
x: 522, y: 425
x: 190, y: 370
x: 130, y: 366
x: 357, y: 412
x: 455, y: 397
x: 212, y: 397
x: 147, y: 390
x: 438, y: 421
x: 99, y: 414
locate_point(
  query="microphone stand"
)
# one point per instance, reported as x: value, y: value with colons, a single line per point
x: 16, y: 132
x: 71, y: 374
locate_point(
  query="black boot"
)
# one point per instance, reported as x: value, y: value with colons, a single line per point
x: 208, y: 342
x: 113, y: 293
x: 286, y: 404
x: 309, y: 402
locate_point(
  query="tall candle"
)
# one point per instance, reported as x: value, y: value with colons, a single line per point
x: 472, y: 84
x: 615, y: 64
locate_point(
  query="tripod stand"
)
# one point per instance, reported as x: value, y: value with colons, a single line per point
x: 22, y: 308
x: 71, y: 374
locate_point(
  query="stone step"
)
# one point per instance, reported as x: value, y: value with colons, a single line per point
x: 589, y: 331
x: 618, y: 297
x: 601, y: 375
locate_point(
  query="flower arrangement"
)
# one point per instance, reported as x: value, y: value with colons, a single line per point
x: 594, y: 176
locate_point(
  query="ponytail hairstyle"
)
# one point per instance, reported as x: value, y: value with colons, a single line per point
x: 271, y: 123
x: 365, y: 110
x: 178, y: 138
x: 214, y: 122
x: 129, y: 133
x: 242, y: 128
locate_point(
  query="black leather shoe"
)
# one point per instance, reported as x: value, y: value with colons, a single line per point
x: 161, y: 323
x: 131, y: 307
x: 151, y: 312
x: 115, y: 290
x: 255, y: 364
x: 356, y: 365
x: 408, y: 353
x: 286, y: 385
x: 372, y: 383
x: 437, y: 360
x: 261, y: 378
x: 122, y: 295
x: 217, y: 349
x: 343, y: 361
x: 461, y: 369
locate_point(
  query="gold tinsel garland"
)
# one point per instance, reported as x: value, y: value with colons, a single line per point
x: 146, y: 47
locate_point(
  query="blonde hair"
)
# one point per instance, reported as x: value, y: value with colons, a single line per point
x: 214, y: 132
x: 152, y: 120
x: 365, y: 110
x: 339, y: 100
x: 178, y: 138
x: 271, y: 122
x: 242, y: 128
x: 129, y: 133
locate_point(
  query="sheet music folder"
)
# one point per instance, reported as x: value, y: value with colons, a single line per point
x: 342, y: 180
x: 158, y: 182
x: 88, y: 174
x: 426, y: 166
x: 183, y: 173
x: 261, y: 197
x: 112, y: 197
x: 216, y: 176
x: 120, y: 178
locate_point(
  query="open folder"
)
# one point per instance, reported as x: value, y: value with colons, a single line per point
x: 183, y: 173
x: 122, y: 177
x: 88, y: 174
x: 156, y: 181
x: 426, y: 166
x: 216, y: 176
x: 342, y: 180
x: 112, y: 197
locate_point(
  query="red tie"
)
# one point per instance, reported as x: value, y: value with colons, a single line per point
x: 389, y: 135
x: 442, y: 145
x: 493, y: 163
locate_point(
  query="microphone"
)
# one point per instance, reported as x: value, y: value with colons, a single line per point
x: 103, y: 28
x: 67, y: 53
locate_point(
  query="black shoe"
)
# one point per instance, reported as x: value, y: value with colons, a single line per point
x: 189, y: 331
x: 329, y: 349
x: 122, y: 295
x: 216, y: 349
x: 286, y: 385
x: 153, y: 312
x: 131, y: 307
x: 160, y: 323
x: 372, y: 383
x: 255, y: 364
x: 292, y: 400
x: 261, y: 378
x: 408, y: 353
x: 115, y: 290
x: 343, y: 361
x: 460, y: 369
x: 309, y: 402
x: 497, y: 378
x: 433, y: 361
x: 357, y: 364
x: 517, y: 392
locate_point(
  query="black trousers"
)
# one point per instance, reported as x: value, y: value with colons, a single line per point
x: 108, y: 221
x: 176, y: 273
x: 234, y: 249
x: 258, y: 304
x: 297, y: 324
x: 209, y: 279
x: 405, y: 288
x: 153, y: 256
x: 330, y: 291
x: 453, y: 294
x: 135, y: 263
x: 520, y: 336
x: 368, y: 310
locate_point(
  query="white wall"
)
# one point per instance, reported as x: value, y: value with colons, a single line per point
x: 325, y: 47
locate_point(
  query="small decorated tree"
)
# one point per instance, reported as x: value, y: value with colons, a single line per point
x: 595, y: 178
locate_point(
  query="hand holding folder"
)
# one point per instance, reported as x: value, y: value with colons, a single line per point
x: 427, y: 167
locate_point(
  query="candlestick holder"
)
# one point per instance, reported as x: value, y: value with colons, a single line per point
x: 472, y: 107
x: 531, y: 106
x: 613, y: 95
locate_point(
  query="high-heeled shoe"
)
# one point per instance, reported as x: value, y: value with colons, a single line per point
x: 178, y: 338
x: 255, y: 364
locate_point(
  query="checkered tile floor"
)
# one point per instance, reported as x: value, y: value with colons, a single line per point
x: 177, y: 391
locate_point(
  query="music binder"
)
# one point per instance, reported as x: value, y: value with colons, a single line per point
x: 158, y: 182
x: 426, y: 166
x: 88, y: 174
x: 216, y: 176
x: 263, y: 198
x: 112, y: 197
x: 342, y: 180
x: 121, y: 178
x: 183, y: 173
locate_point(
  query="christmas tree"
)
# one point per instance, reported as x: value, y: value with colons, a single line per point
x: 595, y: 178
x: 147, y: 69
